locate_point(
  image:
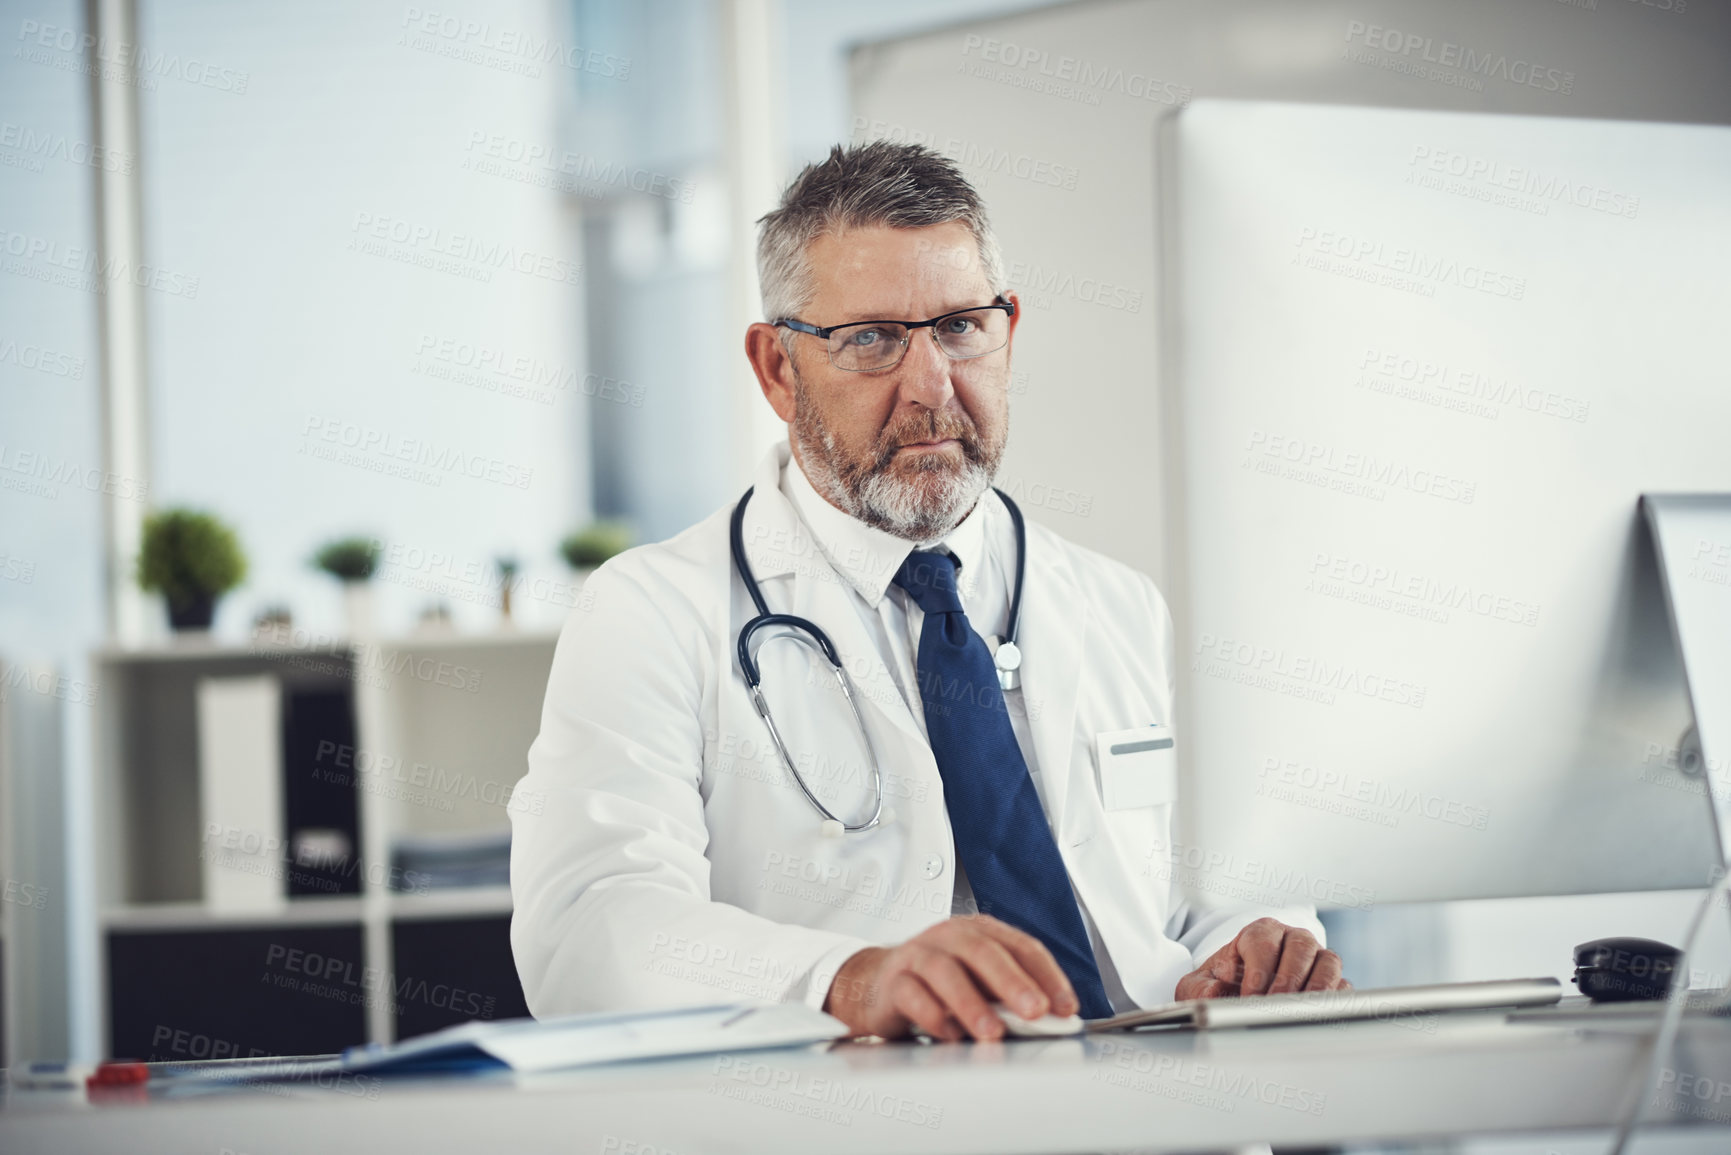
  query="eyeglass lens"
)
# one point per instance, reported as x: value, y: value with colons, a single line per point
x: 882, y: 344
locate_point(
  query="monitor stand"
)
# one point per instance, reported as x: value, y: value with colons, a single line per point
x: 1692, y: 542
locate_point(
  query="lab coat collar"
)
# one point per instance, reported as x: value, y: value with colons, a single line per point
x: 868, y: 557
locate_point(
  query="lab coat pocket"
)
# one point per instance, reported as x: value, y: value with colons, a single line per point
x: 1137, y: 767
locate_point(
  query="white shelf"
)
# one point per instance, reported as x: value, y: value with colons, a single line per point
x: 456, y: 902
x: 198, y: 916
x: 204, y: 649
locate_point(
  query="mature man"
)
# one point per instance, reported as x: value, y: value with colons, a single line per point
x: 682, y: 851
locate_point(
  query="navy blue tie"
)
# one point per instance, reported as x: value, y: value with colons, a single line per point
x: 1001, y: 833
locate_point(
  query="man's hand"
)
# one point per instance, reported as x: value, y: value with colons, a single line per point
x: 1267, y: 958
x: 945, y: 978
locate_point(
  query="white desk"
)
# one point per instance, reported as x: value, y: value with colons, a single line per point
x: 1471, y: 1074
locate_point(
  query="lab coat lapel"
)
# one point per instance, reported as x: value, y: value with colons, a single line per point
x: 1054, y: 624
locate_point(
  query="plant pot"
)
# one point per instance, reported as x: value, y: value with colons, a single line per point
x: 358, y: 608
x: 193, y: 614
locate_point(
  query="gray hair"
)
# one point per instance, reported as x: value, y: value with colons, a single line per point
x: 903, y: 186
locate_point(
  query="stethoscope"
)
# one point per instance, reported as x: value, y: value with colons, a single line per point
x: 1006, y: 657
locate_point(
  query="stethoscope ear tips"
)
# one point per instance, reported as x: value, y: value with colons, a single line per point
x: 831, y: 828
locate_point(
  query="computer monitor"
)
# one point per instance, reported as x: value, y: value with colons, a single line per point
x: 1421, y: 367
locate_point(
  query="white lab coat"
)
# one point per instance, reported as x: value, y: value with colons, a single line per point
x: 660, y: 856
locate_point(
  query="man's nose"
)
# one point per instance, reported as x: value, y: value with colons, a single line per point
x: 926, y: 372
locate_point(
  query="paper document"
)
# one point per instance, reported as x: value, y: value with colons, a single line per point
x: 530, y: 1045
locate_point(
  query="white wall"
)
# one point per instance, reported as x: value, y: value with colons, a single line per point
x: 330, y: 193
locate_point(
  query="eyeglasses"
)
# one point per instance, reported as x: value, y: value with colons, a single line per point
x: 867, y: 346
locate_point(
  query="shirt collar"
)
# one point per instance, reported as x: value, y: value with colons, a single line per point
x: 868, y: 557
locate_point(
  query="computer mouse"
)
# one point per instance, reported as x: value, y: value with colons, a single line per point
x: 1044, y: 1027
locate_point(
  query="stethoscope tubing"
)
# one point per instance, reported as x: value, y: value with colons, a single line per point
x: 815, y: 638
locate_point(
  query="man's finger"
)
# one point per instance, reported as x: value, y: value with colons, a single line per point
x: 1259, y: 951
x: 1298, y: 950
x: 944, y: 974
x: 914, y: 1001
x: 1001, y: 976
x: 1035, y: 960
x: 1325, y: 973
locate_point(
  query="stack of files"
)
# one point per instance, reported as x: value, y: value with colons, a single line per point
x: 528, y: 1045
x: 441, y: 861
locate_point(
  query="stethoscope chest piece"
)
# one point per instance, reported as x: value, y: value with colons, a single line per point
x: 1008, y: 659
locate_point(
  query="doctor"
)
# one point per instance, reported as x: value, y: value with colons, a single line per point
x: 942, y: 827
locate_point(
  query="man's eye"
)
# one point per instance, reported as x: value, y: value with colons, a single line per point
x: 961, y: 326
x: 866, y: 338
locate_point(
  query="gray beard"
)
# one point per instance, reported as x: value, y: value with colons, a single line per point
x: 881, y: 499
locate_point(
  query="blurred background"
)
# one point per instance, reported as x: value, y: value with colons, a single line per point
x: 352, y: 335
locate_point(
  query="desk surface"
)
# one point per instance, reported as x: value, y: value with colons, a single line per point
x: 1453, y: 1075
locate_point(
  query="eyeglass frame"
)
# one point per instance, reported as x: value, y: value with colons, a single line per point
x: 998, y: 302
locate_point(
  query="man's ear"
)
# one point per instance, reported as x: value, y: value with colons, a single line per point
x: 774, y: 368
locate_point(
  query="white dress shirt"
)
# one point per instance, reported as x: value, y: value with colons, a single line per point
x: 984, y: 545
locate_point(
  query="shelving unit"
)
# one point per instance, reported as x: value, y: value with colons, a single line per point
x: 442, y: 726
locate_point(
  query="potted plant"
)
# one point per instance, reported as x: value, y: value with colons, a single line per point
x: 192, y: 559
x: 353, y: 561
x: 587, y: 548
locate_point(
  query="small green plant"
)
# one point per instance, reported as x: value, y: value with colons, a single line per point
x: 192, y: 559
x: 588, y: 548
x: 349, y: 559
